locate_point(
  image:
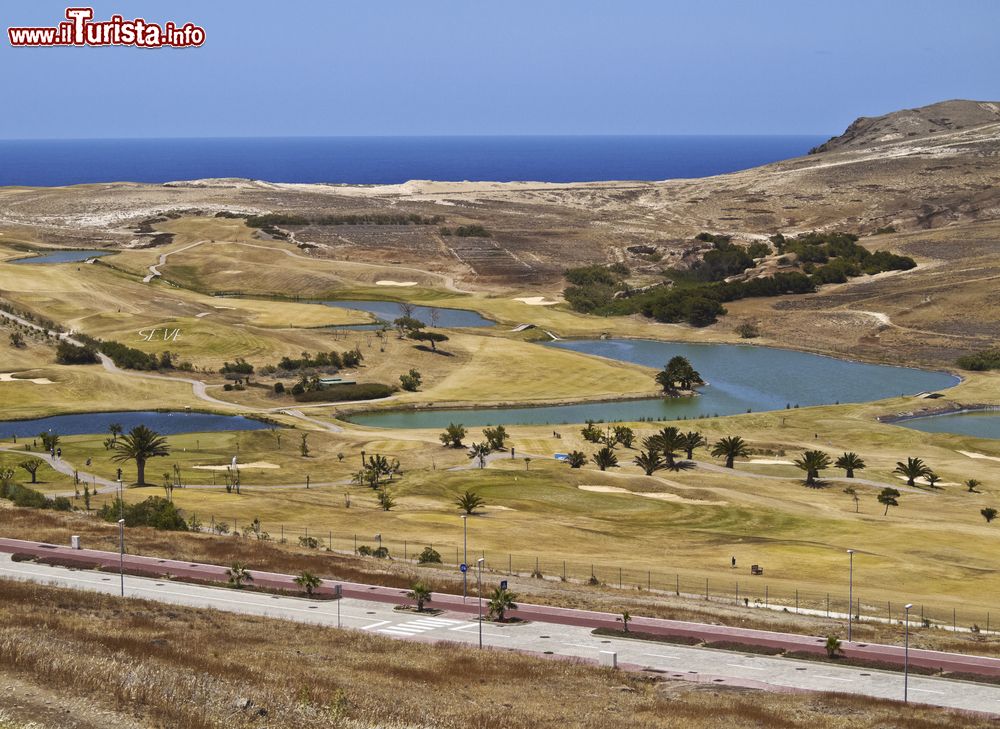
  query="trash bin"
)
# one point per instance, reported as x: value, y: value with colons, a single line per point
x: 74, y: 542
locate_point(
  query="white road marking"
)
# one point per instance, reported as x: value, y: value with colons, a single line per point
x: 926, y: 691
x: 833, y: 678
x: 376, y: 625
x: 740, y: 665
x: 662, y: 655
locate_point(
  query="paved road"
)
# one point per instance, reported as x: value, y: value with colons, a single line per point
x: 571, y: 641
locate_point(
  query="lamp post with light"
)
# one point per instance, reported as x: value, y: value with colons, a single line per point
x: 850, y: 596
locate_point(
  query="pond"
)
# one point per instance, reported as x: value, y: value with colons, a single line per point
x: 985, y: 424
x: 740, y: 378
x: 167, y: 423
x: 63, y: 257
x: 389, y: 310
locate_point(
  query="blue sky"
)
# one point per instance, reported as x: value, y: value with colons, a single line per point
x: 388, y: 67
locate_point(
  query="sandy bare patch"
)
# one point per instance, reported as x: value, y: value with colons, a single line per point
x: 983, y: 456
x: 925, y: 482
x: 223, y: 307
x: 666, y: 496
x: 770, y: 462
x: 536, y: 301
x: 605, y: 489
x: 9, y: 377
x: 387, y: 282
x: 231, y: 272
x: 254, y: 465
x: 204, y: 313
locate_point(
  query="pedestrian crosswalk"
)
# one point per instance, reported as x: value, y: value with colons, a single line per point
x: 416, y: 627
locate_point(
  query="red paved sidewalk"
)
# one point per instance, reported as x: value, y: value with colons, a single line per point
x: 154, y: 567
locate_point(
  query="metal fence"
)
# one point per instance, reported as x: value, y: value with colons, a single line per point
x: 740, y: 589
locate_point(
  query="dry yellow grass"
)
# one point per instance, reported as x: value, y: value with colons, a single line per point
x: 185, y: 668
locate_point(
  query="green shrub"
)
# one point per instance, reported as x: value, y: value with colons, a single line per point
x: 154, y: 512
x: 344, y: 393
x: 429, y: 556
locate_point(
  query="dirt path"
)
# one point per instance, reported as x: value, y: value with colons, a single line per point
x: 154, y: 271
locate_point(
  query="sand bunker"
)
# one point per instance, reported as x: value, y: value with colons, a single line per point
x: 387, y: 282
x: 605, y: 489
x: 969, y: 454
x: 231, y: 272
x: 925, y: 482
x: 204, y: 313
x: 9, y: 377
x: 770, y: 462
x: 665, y: 496
x: 536, y: 301
x: 241, y: 466
x: 661, y: 495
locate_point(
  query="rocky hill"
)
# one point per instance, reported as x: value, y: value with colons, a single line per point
x: 913, y: 124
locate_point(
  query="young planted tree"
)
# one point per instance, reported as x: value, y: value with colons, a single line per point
x: 308, y: 582
x: 410, y: 381
x: 238, y: 575
x: 972, y: 484
x: 31, y: 465
x: 139, y: 445
x: 576, y: 459
x: 385, y: 499
x: 812, y: 462
x: 731, y: 447
x: 433, y: 337
x: 591, y: 433
x: 913, y: 469
x: 889, y: 497
x: 501, y: 601
x: 605, y: 459
x: 304, y: 445
x: 625, y: 619
x: 832, y: 646
x: 469, y: 502
x: 853, y: 493
x: 932, y: 479
x: 420, y: 594
x: 989, y: 514
x: 115, y: 429
x: 692, y: 440
x: 649, y: 461
x: 850, y: 462
x: 453, y: 435
x: 50, y: 441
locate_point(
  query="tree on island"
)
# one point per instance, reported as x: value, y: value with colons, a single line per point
x: 850, y: 462
x: 139, y: 445
x: 678, y: 374
x: 731, y: 447
x: 812, y: 462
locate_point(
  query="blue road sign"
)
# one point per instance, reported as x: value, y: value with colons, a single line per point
x: 503, y: 584
x: 463, y: 567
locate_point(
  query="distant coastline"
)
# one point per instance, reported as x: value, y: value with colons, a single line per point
x: 391, y: 160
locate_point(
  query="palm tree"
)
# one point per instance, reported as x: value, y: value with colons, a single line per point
x: 989, y: 514
x: 385, y: 499
x: 649, y: 461
x: 480, y: 451
x: 913, y: 469
x: 889, y: 497
x: 850, y: 462
x: 501, y: 601
x: 668, y: 442
x: 420, y: 594
x: 140, y: 445
x: 812, y: 462
x: 972, y: 484
x: 576, y: 459
x: 626, y: 618
x: 932, y: 479
x: 605, y: 458
x: 469, y: 502
x: 238, y: 574
x: 692, y: 440
x: 115, y: 429
x: 308, y: 582
x: 731, y: 447
x: 832, y: 646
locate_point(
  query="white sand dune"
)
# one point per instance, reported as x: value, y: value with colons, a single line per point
x: 9, y: 377
x: 983, y: 456
x: 241, y: 466
x: 388, y: 282
x: 536, y: 301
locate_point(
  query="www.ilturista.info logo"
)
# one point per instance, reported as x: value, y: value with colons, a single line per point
x: 79, y: 29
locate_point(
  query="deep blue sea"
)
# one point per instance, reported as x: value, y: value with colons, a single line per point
x: 383, y: 160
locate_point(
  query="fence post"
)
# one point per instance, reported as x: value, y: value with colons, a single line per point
x: 564, y: 570
x: 796, y: 600
x: 404, y: 550
x: 737, y: 592
x: 828, y: 604
x: 330, y: 540
x: 706, y: 589
x: 987, y: 622
x: 888, y: 607
x: 677, y: 584
x: 649, y: 587
x: 510, y: 564
x: 954, y: 622
x: 765, y: 595
x: 619, y: 578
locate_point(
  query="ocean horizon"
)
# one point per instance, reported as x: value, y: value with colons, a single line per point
x: 391, y: 160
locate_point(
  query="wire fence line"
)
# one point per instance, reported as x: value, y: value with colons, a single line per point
x: 741, y: 589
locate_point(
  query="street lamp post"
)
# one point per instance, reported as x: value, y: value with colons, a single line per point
x: 906, y: 653
x: 850, y: 596
x: 479, y: 580
x: 465, y: 555
x: 121, y: 553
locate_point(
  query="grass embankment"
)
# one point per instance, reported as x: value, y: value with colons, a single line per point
x: 246, y: 670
